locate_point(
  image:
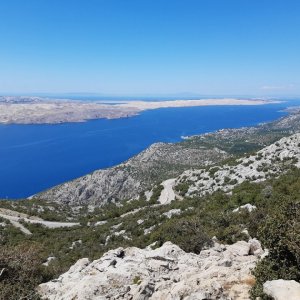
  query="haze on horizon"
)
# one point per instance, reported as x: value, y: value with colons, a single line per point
x: 150, y: 47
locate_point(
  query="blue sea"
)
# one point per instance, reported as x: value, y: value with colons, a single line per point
x: 36, y: 157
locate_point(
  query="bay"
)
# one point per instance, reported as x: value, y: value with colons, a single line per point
x: 37, y: 157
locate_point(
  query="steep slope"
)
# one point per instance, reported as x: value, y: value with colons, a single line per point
x: 162, y: 161
x: 128, y: 180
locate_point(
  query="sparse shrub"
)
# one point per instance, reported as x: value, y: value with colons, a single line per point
x: 232, y: 234
x: 226, y: 180
x: 137, y: 280
x: 182, y: 188
x: 212, y: 171
x: 156, y: 193
x: 188, y: 234
x: 281, y: 235
x: 21, y: 271
x: 233, y: 181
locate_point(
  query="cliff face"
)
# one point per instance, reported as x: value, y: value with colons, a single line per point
x: 221, y: 272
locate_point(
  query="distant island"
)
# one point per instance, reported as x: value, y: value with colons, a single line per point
x: 36, y: 110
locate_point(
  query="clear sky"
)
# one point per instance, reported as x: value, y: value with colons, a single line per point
x: 150, y: 47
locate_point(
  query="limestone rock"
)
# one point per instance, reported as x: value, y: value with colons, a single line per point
x: 247, y: 206
x: 282, y: 289
x: 172, y: 212
x: 166, y: 273
x: 255, y: 247
x: 240, y: 248
x: 268, y: 162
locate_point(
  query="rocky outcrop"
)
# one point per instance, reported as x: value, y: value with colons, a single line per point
x: 221, y: 272
x: 282, y: 289
x: 167, y: 195
x: 248, y: 207
x: 126, y: 181
x: 271, y: 161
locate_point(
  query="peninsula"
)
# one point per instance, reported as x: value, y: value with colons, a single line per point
x: 36, y: 110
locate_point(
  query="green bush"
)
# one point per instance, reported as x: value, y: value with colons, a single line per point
x: 187, y: 233
x: 182, y: 188
x: 22, y: 271
x: 280, y: 233
x: 155, y: 194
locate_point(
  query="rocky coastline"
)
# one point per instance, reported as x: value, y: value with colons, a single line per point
x: 36, y: 110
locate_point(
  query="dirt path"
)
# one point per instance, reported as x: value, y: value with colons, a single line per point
x: 167, y: 195
x: 16, y: 222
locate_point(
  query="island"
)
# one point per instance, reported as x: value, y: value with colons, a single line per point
x: 37, y: 110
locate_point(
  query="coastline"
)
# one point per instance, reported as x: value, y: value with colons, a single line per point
x: 130, y: 178
x: 146, y: 105
x: 18, y: 110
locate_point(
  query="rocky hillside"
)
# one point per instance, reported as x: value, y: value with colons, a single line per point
x: 268, y: 210
x: 128, y: 180
x: 162, y: 161
x: 271, y: 161
x: 221, y: 272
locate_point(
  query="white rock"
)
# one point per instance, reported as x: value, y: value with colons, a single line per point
x: 240, y: 248
x: 121, y: 232
x: 282, y: 289
x: 140, y: 221
x: 258, y: 167
x: 264, y: 254
x: 75, y: 243
x: 164, y: 273
x: 116, y: 226
x: 167, y: 195
x: 247, y: 207
x: 246, y: 232
x: 100, y: 223
x: 148, y: 230
x: 148, y: 195
x: 255, y: 247
x: 49, y: 259
x: 172, y: 212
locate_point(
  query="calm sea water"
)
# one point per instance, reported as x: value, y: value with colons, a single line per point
x: 36, y: 157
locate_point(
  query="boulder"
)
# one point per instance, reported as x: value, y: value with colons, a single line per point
x: 255, y: 247
x: 247, y: 207
x: 240, y: 248
x: 165, y: 273
x: 282, y: 289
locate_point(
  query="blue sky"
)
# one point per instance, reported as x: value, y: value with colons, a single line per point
x: 150, y: 47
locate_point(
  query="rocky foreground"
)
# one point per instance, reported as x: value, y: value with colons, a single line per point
x: 221, y: 272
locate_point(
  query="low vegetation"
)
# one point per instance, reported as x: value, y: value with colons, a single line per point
x: 276, y: 222
x: 24, y: 259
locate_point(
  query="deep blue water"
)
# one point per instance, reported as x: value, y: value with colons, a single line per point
x: 36, y: 157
